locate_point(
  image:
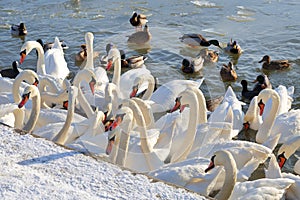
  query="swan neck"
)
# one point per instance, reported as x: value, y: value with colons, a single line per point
x: 230, y: 179
x: 187, y: 143
x: 123, y: 148
x: 40, y: 67
x: 202, y: 107
x: 265, y: 129
x: 150, y: 89
x: 35, y: 111
x: 117, y: 71
x: 90, y: 53
x: 62, y: 136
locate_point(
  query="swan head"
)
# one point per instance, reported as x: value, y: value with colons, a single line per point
x: 177, y: 104
x: 29, y: 91
x: 27, y: 47
x: 112, y: 57
x: 264, y: 96
x: 113, y: 128
x: 281, y: 159
x: 287, y: 149
x: 221, y: 158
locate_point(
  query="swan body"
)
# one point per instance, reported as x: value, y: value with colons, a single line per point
x: 274, y: 171
x: 228, y: 73
x: 140, y: 37
x: 55, y: 58
x: 12, y: 72
x: 55, y: 62
x: 286, y: 123
x: 191, y: 65
x: 269, y: 64
x: 230, y: 102
x: 262, y: 188
x: 18, y: 30
x: 196, y: 40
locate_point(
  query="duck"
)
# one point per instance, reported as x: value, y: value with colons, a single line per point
x: 49, y: 45
x: 12, y: 72
x: 210, y: 56
x: 233, y: 48
x: 192, y: 65
x: 140, y: 37
x: 82, y: 54
x: 134, y: 61
x: 18, y: 30
x: 269, y: 64
x: 228, y: 73
x: 138, y: 20
x: 246, y: 93
x: 196, y: 40
x: 262, y: 81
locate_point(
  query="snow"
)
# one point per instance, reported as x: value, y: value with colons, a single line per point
x: 35, y: 168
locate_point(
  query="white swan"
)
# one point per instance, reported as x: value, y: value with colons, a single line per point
x: 162, y: 99
x: 258, y: 189
x: 143, y: 157
x: 220, y: 114
x: 287, y: 123
x: 273, y: 171
x: 100, y: 73
x: 124, y: 82
x: 58, y: 66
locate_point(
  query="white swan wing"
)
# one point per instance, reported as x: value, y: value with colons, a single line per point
x: 261, y: 189
x: 166, y: 94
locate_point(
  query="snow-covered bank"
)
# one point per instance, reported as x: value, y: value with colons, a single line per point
x: 34, y: 168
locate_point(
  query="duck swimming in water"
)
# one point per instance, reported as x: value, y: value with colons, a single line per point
x: 18, y: 30
x: 228, y: 73
x: 138, y: 20
x: 11, y: 72
x: 233, y: 47
x: 196, y: 40
x: 269, y: 64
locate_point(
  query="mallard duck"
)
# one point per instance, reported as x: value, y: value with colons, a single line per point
x: 82, y: 54
x: 135, y: 61
x: 11, y: 72
x: 210, y: 56
x: 48, y: 45
x: 191, y: 65
x: 274, y: 64
x: 233, y: 47
x: 138, y: 20
x: 18, y: 30
x: 262, y: 82
x: 140, y: 37
x: 195, y: 40
x: 228, y: 73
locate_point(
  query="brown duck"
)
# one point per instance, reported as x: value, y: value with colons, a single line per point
x: 274, y: 64
x: 228, y: 73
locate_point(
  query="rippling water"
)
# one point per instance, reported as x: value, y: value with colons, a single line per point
x: 264, y: 27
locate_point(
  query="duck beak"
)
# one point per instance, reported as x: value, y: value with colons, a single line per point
x: 261, y: 61
x: 25, y: 98
x: 23, y: 56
